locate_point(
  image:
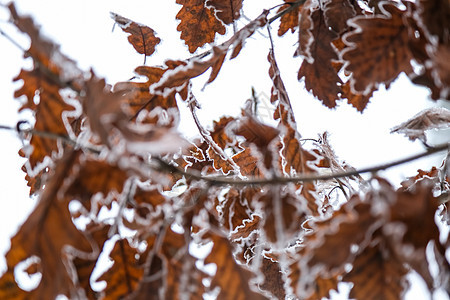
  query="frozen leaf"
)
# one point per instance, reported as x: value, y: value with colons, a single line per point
x: 141, y: 37
x: 124, y: 276
x: 288, y: 21
x: 283, y: 214
x: 279, y: 93
x: 92, y: 177
x: 337, y: 12
x: 104, y: 111
x: 234, y: 208
x: 431, y: 118
x: 179, y: 77
x: 226, y: 11
x: 49, y: 113
x: 323, y: 286
x: 50, y: 235
x: 358, y: 101
x: 232, y: 278
x: 317, y: 69
x: 434, y: 18
x: 248, y: 163
x: 273, y: 278
x: 377, y: 274
x: 143, y: 101
x: 378, y: 50
x: 198, y: 24
x: 84, y: 266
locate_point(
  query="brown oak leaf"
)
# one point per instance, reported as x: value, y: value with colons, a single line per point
x: 125, y: 274
x: 289, y: 21
x: 50, y: 235
x: 198, y: 24
x: 317, y: 68
x: 226, y: 11
x: 232, y: 278
x: 182, y: 73
x: 378, y: 49
x: 377, y: 274
x: 141, y: 37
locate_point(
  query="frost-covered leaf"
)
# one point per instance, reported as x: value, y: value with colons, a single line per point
x: 377, y: 274
x: 124, y: 276
x: 431, y: 118
x: 179, y: 77
x: 226, y: 11
x: 232, y: 279
x: 434, y: 17
x: 198, y: 24
x: 51, y: 72
x: 315, y: 46
x: 50, y: 235
x: 288, y: 21
x: 141, y: 37
x: 378, y: 49
x: 337, y: 12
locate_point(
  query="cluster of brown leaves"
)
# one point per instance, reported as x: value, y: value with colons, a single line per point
x: 159, y: 192
x: 349, y: 51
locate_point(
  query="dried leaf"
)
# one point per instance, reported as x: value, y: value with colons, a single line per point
x: 378, y: 50
x: 315, y: 45
x: 337, y: 12
x: 226, y: 11
x: 358, y: 101
x: 179, y: 76
x: 125, y: 274
x: 91, y: 177
x: 141, y: 37
x: 273, y: 279
x: 433, y: 16
x: 198, y: 24
x: 232, y: 278
x: 431, y: 118
x: 84, y: 266
x: 49, y: 113
x: 143, y: 100
x: 289, y: 20
x: 377, y: 274
x: 50, y: 235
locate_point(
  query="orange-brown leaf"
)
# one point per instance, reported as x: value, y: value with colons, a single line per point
x: 144, y: 100
x: 125, y: 274
x: 273, y: 279
x: 288, y: 21
x: 226, y: 11
x: 94, y: 176
x: 378, y: 50
x: 337, y: 12
x: 48, y: 113
x: 232, y: 278
x: 317, y: 69
x: 198, y: 24
x: 141, y: 37
x: 358, y: 101
x: 50, y: 235
x: 377, y: 274
x: 181, y: 74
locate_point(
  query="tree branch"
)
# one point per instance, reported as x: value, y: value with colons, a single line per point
x: 216, y: 180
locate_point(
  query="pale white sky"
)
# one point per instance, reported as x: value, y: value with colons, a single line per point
x: 83, y: 28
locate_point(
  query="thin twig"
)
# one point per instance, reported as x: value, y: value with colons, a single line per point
x: 305, y: 178
x: 223, y: 180
x: 54, y: 136
x: 193, y: 104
